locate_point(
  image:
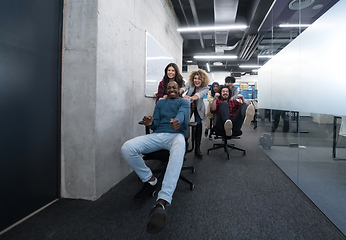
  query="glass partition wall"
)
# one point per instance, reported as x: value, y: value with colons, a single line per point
x: 299, y: 116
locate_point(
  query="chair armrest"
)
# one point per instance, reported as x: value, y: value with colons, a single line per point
x: 193, y: 124
x: 147, y: 129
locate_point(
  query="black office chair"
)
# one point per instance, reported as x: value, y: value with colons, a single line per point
x: 225, y: 145
x: 163, y: 155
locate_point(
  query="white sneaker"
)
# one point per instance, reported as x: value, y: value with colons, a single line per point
x: 228, y: 127
x: 250, y: 113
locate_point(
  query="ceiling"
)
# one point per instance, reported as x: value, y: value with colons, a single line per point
x: 261, y: 37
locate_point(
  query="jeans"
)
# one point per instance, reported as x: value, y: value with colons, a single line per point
x: 237, y: 119
x: 174, y: 142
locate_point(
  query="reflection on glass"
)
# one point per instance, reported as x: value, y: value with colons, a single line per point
x: 309, y: 146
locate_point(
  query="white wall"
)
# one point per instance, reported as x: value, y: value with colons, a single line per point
x: 305, y: 76
x: 103, y: 86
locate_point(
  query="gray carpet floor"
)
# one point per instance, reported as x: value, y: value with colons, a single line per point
x: 244, y: 197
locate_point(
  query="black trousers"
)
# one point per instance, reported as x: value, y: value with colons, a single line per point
x: 237, y: 119
x: 276, y: 119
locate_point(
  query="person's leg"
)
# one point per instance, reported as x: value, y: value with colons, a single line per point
x: 275, y: 119
x: 175, y: 143
x: 132, y: 150
x: 209, y: 116
x: 238, y: 119
x: 198, y: 134
x: 286, y: 119
x: 211, y: 125
x: 207, y: 126
x: 222, y: 117
x: 249, y: 115
x: 157, y: 217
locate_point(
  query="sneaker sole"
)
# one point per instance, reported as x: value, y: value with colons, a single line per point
x: 157, y: 222
x: 228, y: 127
x: 250, y: 113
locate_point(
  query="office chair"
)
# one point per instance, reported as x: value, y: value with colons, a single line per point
x: 163, y: 155
x: 224, y: 143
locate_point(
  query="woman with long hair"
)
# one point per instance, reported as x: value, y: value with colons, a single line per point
x: 197, y: 88
x: 172, y: 73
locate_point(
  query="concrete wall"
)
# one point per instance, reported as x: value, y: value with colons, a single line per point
x: 103, y: 99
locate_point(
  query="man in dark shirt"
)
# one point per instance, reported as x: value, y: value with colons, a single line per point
x: 231, y: 114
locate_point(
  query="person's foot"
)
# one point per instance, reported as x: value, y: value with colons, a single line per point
x: 157, y: 219
x: 146, y: 191
x: 228, y: 127
x: 198, y: 152
x: 206, y: 132
x: 250, y: 113
x: 210, y: 137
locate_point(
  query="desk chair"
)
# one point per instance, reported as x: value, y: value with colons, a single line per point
x: 224, y: 143
x: 163, y: 155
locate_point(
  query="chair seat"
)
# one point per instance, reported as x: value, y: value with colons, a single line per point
x: 161, y: 155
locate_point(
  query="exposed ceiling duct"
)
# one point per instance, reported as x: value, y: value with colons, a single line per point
x: 195, y: 17
x: 262, y: 37
x: 225, y: 12
x: 249, y: 47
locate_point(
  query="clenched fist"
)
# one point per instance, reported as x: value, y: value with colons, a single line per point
x: 175, y: 124
x: 147, y: 120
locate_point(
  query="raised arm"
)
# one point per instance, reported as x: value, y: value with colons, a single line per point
x: 213, y: 104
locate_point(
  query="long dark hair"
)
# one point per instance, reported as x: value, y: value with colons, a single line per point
x: 178, y: 78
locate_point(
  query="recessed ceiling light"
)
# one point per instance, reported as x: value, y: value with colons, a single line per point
x: 208, y: 68
x: 189, y: 61
x: 211, y: 28
x: 317, y: 6
x: 293, y: 25
x: 216, y: 57
x: 249, y: 66
x: 265, y: 56
x: 300, y: 4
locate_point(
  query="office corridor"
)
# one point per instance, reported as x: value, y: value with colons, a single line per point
x: 244, y: 197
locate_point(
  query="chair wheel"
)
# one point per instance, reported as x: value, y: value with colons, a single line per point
x: 154, y: 193
x: 192, y: 187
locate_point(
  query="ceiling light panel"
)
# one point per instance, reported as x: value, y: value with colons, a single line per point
x: 212, y: 28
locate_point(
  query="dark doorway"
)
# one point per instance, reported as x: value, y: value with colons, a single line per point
x: 30, y: 85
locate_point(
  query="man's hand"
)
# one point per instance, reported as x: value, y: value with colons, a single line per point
x: 148, y: 120
x: 241, y: 97
x: 217, y: 95
x: 175, y: 124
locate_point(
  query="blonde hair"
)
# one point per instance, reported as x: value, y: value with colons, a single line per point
x: 202, y: 75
